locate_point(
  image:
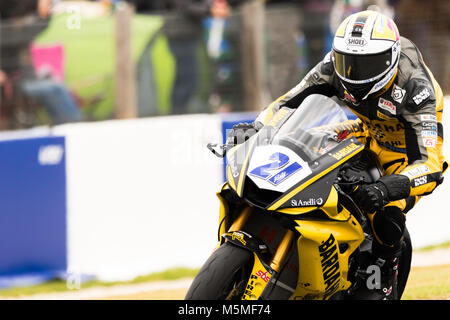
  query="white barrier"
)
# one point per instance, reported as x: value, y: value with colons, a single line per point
x: 141, y: 194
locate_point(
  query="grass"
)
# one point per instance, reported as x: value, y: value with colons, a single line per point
x: 443, y: 245
x: 428, y: 283
x: 59, y: 285
x: 178, y: 294
x: 424, y: 283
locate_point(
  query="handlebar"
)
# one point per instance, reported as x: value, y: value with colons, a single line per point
x: 223, y: 149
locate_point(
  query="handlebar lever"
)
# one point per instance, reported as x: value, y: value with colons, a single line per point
x: 219, y: 150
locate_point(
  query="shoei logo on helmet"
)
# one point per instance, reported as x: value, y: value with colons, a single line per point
x: 356, y: 42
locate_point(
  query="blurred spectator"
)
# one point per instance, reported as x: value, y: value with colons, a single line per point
x: 342, y: 9
x: 286, y: 49
x: 183, y: 29
x: 184, y: 23
x: 305, y: 38
x: 21, y: 23
x: 223, y: 51
x: 315, y: 26
x: 427, y: 24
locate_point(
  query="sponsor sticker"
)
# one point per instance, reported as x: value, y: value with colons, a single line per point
x: 428, y: 117
x: 429, y: 142
x: 348, y: 97
x: 238, y: 236
x: 276, y: 168
x: 387, y: 105
x: 263, y: 275
x: 329, y: 255
x: 316, y: 76
x: 417, y: 171
x: 50, y: 155
x: 286, y: 173
x: 356, y: 42
x: 385, y: 80
x: 342, y: 135
x: 420, y: 181
x: 398, y: 94
x: 429, y: 134
x: 429, y: 126
x: 307, y: 203
x: 345, y: 151
x: 383, y: 116
x: 421, y: 96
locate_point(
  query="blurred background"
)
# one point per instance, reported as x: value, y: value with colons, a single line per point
x: 106, y: 108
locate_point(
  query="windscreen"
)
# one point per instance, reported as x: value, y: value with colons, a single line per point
x: 311, y: 129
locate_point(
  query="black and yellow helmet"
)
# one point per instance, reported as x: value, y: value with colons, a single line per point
x: 366, y: 52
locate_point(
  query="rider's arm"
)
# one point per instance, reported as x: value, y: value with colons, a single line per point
x: 318, y: 80
x: 422, y: 118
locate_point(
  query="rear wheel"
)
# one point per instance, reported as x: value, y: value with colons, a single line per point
x: 404, y: 265
x: 224, y: 275
x: 364, y: 259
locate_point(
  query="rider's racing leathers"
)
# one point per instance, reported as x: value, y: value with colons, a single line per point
x: 402, y: 124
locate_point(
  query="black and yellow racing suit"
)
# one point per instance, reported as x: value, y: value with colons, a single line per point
x: 403, y: 121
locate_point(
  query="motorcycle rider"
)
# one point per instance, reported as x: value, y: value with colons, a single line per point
x: 383, y: 79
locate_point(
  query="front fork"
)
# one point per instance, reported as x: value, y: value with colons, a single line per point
x: 259, y: 285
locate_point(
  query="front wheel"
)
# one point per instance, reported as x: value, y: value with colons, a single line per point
x: 224, y: 275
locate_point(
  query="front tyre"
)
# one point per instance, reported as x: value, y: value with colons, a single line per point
x: 224, y: 275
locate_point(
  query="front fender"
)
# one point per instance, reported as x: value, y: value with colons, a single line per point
x: 261, y: 272
x: 244, y: 240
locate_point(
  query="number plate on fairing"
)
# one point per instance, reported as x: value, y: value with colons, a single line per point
x: 276, y: 168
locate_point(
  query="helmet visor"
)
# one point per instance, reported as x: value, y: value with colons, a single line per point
x: 362, y: 68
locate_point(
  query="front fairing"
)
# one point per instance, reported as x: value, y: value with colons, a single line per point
x: 290, y: 163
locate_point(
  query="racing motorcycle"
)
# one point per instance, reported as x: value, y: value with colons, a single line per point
x: 288, y: 226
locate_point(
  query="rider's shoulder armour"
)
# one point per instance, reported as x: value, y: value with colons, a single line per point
x: 414, y: 78
x: 327, y: 67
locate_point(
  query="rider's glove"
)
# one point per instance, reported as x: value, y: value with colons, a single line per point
x: 242, y: 132
x: 373, y: 197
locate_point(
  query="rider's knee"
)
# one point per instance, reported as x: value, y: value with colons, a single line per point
x: 389, y: 225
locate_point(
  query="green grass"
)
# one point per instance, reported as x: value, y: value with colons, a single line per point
x: 424, y: 282
x: 59, y: 285
x: 170, y: 274
x: 428, y: 283
x: 443, y: 245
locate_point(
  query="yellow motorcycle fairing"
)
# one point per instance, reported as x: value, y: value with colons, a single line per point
x: 258, y: 280
x: 324, y: 248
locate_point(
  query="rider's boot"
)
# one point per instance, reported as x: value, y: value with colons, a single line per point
x: 388, y: 264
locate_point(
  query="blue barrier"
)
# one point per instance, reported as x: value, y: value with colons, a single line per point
x: 32, y: 210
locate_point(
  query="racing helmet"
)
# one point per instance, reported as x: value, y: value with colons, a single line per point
x: 366, y: 52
